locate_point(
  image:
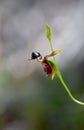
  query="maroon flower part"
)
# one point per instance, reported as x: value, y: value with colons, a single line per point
x: 47, y: 67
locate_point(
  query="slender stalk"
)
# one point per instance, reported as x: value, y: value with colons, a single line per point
x: 57, y: 70
x: 65, y: 86
x: 67, y: 89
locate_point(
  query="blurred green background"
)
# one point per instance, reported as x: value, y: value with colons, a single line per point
x: 28, y: 99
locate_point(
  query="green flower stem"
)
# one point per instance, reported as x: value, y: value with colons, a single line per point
x: 66, y: 88
x: 48, y: 35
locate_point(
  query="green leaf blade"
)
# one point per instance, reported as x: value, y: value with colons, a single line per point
x: 48, y: 32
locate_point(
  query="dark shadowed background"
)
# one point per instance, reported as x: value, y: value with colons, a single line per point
x: 29, y: 100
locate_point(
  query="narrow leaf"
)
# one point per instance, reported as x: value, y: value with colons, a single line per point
x: 48, y: 32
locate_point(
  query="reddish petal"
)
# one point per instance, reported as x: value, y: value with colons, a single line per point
x: 47, y: 67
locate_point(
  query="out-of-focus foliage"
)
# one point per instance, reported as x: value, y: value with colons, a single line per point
x: 29, y: 100
x: 38, y: 103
